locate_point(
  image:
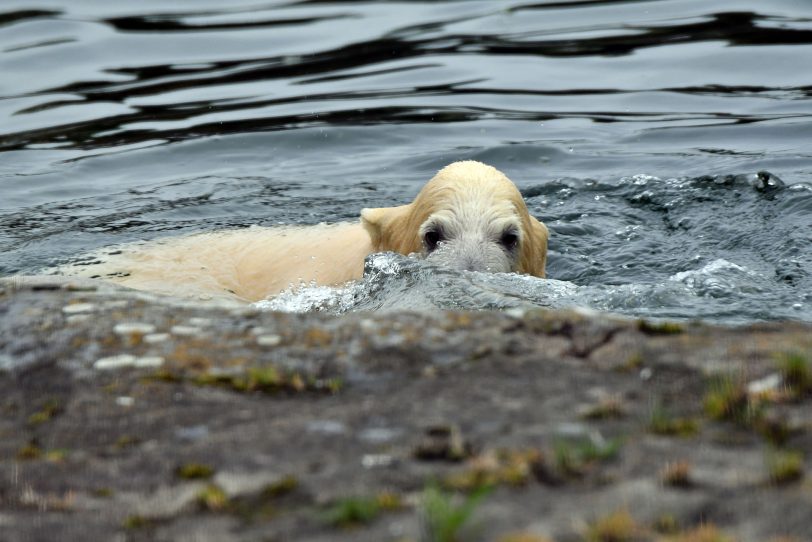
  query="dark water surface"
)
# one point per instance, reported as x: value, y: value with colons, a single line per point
x: 635, y: 129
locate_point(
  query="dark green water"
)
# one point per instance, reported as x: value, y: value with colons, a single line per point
x: 635, y: 129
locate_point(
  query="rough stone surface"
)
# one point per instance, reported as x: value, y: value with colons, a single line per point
x: 256, y: 425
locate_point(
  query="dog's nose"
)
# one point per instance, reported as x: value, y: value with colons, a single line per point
x: 470, y: 264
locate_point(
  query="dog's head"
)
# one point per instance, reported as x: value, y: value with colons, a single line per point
x: 469, y: 216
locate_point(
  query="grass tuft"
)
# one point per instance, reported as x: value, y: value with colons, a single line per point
x: 796, y: 371
x: 212, y: 498
x: 659, y: 328
x: 619, y: 526
x: 662, y: 422
x: 354, y: 511
x: 508, y: 467
x: 784, y: 466
x: 727, y: 399
x: 50, y: 409
x: 573, y: 458
x: 194, y: 471
x: 444, y: 517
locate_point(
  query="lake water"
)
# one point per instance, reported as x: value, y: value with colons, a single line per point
x: 667, y: 144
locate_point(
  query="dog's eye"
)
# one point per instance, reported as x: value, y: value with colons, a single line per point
x: 431, y: 238
x: 509, y: 240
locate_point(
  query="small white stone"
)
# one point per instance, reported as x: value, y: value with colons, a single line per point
x: 125, y: 401
x: 77, y: 318
x: 114, y: 362
x: 198, y: 321
x: 128, y: 328
x: 768, y: 384
x: 116, y: 304
x: 79, y: 307
x: 185, y: 330
x: 371, y: 461
x: 149, y: 361
x: 127, y: 360
x: 259, y: 330
x: 645, y: 373
x: 153, y: 338
x: 269, y: 340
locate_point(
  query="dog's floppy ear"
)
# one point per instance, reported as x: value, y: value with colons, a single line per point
x: 390, y: 229
x: 533, y: 256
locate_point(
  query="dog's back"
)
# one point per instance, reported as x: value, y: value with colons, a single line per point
x: 249, y: 264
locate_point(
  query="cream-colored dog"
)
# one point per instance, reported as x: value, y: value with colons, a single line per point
x: 470, y: 216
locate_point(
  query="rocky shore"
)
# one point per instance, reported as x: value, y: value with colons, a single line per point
x: 125, y: 417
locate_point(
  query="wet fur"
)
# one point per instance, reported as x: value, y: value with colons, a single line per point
x: 253, y: 264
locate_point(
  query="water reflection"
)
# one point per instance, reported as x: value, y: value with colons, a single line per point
x: 390, y: 53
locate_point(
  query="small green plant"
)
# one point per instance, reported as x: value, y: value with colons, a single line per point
x: 282, y: 487
x: 213, y: 498
x: 50, y: 409
x: 136, y: 522
x: 666, y: 524
x: 659, y: 328
x: 56, y: 455
x: 796, y: 371
x: 633, y: 363
x: 727, y: 399
x: 662, y: 422
x: 572, y: 458
x: 267, y: 379
x: 353, y: 511
x: 444, y: 518
x: 784, y: 466
x: 194, y: 471
x: 619, y: 526
x: 29, y: 451
x: 495, y: 467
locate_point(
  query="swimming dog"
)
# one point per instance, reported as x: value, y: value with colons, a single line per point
x: 469, y: 216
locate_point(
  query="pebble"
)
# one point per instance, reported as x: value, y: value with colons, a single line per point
x: 127, y: 360
x: 371, y: 461
x: 77, y: 318
x: 125, y: 401
x: 128, y: 328
x: 269, y: 340
x: 198, y: 321
x: 115, y: 362
x: 153, y: 338
x: 765, y: 386
x: 149, y: 361
x: 185, y: 330
x: 77, y: 308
